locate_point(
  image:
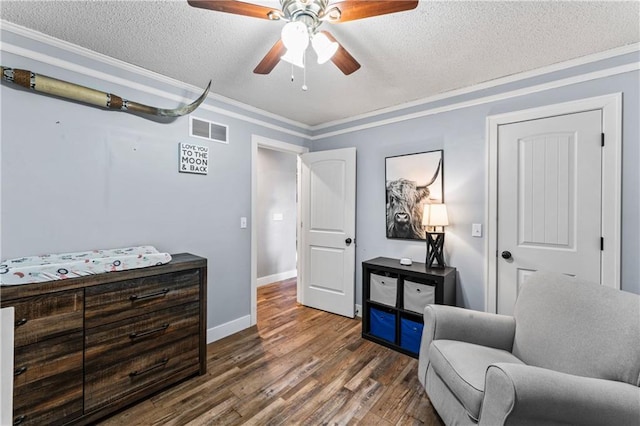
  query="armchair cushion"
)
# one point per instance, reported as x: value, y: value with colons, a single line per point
x: 462, y: 366
x: 526, y: 395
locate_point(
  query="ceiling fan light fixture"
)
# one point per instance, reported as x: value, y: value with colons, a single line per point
x: 294, y: 57
x: 295, y: 36
x: 324, y: 48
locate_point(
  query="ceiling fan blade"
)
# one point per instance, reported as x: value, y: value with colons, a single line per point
x: 359, y: 9
x: 236, y: 7
x: 343, y: 59
x: 271, y: 59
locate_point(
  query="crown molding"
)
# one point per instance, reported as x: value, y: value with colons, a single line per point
x: 116, y: 63
x: 583, y: 60
x: 635, y: 66
x: 307, y: 130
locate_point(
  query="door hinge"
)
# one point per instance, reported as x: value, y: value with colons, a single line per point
x: 602, y: 139
x: 601, y: 243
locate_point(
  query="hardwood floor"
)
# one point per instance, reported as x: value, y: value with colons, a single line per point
x: 299, y: 366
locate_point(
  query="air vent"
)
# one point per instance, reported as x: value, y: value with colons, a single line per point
x: 205, y: 129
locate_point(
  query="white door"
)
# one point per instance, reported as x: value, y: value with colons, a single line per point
x: 549, y: 200
x: 328, y: 206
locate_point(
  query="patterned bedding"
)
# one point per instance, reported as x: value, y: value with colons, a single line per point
x: 50, y: 267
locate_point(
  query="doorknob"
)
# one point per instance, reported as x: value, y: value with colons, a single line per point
x: 348, y: 241
x: 506, y: 254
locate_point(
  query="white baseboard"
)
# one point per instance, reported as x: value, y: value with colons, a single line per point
x: 227, y: 329
x: 358, y: 310
x: 276, y: 277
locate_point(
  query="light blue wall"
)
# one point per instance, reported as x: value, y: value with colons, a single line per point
x: 276, y: 245
x: 461, y: 133
x: 75, y: 177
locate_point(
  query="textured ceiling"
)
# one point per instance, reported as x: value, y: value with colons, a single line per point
x: 437, y: 47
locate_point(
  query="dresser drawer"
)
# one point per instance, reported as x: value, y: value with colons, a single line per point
x: 53, y: 362
x: 118, y: 301
x: 111, y: 343
x: 43, y: 317
x: 161, y: 366
x: 49, y: 402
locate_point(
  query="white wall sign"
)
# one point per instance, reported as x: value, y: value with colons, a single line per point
x: 193, y: 159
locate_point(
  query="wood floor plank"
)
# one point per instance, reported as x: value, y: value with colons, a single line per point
x: 298, y: 366
x: 399, y: 393
x: 364, y: 373
x: 296, y: 397
x: 194, y: 411
x: 370, y: 419
x: 363, y: 398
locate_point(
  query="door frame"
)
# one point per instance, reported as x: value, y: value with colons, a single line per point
x: 611, y: 107
x: 257, y: 142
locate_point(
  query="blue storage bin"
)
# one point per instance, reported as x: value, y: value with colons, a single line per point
x: 410, y: 335
x: 382, y: 324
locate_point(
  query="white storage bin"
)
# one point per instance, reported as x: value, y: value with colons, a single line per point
x: 383, y: 289
x: 417, y: 296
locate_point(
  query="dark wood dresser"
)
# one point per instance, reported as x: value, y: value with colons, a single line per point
x: 86, y: 347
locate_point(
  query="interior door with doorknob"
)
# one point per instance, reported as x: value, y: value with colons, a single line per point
x: 328, y: 205
x: 549, y: 200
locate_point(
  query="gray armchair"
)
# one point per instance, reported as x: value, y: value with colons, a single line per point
x: 569, y: 355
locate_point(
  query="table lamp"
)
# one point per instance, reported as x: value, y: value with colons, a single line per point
x: 434, y: 216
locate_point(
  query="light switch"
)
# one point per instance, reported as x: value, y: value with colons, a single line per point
x: 243, y: 222
x: 476, y: 230
x: 278, y: 216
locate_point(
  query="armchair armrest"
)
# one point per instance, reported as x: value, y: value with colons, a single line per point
x: 527, y: 395
x: 466, y: 325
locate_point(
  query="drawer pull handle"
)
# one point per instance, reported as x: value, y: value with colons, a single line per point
x: 160, y: 293
x: 135, y: 335
x: 162, y: 363
x: 19, y: 371
x: 18, y: 420
x: 21, y: 321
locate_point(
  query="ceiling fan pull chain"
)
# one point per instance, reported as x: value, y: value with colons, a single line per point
x: 304, y: 72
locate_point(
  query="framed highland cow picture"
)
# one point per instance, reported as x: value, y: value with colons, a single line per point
x: 412, y: 181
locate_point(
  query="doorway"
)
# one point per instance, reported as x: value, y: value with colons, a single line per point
x: 264, y: 145
x: 276, y: 216
x: 520, y: 209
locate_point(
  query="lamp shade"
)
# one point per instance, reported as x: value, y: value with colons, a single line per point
x: 295, y: 36
x: 294, y: 57
x: 435, y: 215
x: 323, y: 47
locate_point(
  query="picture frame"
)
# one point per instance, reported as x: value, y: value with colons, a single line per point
x: 411, y: 181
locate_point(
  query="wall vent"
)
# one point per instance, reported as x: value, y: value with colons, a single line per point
x: 205, y: 129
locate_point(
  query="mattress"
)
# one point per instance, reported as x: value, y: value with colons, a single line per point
x: 51, y: 267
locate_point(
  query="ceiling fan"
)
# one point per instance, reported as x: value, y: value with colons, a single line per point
x: 304, y: 18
